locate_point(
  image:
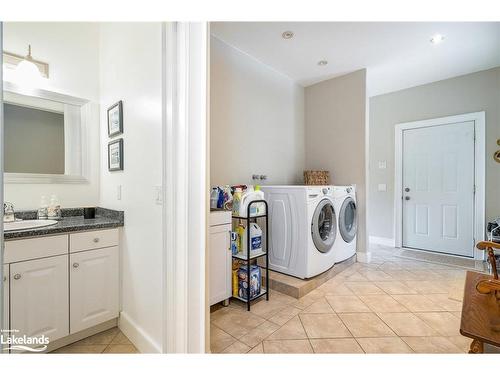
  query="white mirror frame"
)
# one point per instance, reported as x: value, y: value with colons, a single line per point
x: 71, y: 139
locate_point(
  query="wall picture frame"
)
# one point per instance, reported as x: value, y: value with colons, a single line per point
x: 115, y: 119
x: 115, y: 155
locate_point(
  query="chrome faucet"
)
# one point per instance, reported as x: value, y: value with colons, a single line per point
x: 8, y: 212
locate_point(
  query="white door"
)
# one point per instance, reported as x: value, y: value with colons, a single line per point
x: 220, y: 263
x: 438, y: 188
x: 39, y: 297
x: 94, y: 285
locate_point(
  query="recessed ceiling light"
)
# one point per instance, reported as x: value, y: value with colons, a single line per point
x: 287, y: 35
x: 322, y: 62
x: 436, y: 39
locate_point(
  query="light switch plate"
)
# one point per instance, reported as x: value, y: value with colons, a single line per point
x: 158, y: 194
x: 119, y: 192
x: 382, y: 187
x: 382, y: 164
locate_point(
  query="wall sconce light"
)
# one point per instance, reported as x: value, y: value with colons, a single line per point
x: 27, y: 70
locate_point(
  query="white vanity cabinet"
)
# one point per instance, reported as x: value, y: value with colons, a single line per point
x: 39, y: 297
x: 220, y: 256
x: 94, y: 286
x: 5, y: 297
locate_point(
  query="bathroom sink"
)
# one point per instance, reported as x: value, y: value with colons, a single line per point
x: 27, y: 224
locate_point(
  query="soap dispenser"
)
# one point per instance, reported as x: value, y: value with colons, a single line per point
x: 42, y: 210
x: 54, y: 210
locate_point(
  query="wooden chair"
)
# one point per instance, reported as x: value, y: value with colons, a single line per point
x: 481, y: 307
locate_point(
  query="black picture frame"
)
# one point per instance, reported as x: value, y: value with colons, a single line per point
x: 116, y: 166
x: 115, y: 108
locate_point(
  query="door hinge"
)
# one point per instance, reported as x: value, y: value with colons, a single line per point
x: 474, y: 189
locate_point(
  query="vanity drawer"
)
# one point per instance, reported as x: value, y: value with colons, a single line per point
x: 33, y: 248
x: 93, y: 240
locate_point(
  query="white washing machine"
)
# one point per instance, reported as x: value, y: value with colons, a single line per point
x: 302, y: 229
x: 345, y: 206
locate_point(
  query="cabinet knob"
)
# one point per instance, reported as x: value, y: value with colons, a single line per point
x: 17, y: 276
x: 96, y: 240
x: 76, y: 265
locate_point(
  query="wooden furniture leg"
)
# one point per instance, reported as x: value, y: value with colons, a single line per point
x: 476, y: 347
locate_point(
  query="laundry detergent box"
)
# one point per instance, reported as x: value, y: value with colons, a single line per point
x: 255, y: 281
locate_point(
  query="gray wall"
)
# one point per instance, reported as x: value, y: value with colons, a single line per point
x: 34, y: 140
x: 256, y: 120
x: 335, y: 135
x: 469, y: 93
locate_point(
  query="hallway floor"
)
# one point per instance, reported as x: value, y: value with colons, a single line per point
x: 392, y: 305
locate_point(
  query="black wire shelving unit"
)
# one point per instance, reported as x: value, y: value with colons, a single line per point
x: 248, y: 258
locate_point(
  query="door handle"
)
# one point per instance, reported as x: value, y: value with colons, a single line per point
x: 407, y: 198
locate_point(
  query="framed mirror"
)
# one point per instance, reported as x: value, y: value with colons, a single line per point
x: 45, y: 136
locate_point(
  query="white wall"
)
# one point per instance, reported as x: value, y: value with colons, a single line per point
x: 72, y: 51
x: 256, y: 120
x: 336, y: 133
x: 469, y: 93
x: 130, y: 62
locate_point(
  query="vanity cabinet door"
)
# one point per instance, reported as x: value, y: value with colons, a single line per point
x: 220, y: 263
x: 94, y: 283
x: 5, y: 305
x: 39, y: 297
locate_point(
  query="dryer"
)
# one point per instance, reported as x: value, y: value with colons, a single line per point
x: 347, y: 219
x: 302, y: 229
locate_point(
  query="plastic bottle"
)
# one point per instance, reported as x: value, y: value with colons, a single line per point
x: 54, y: 209
x: 214, y: 197
x: 237, y: 201
x: 42, y: 210
x: 255, y: 209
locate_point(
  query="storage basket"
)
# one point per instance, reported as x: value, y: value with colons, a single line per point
x: 316, y: 177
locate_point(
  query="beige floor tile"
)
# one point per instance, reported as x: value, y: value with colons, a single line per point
x: 340, y: 346
x: 287, y: 346
x: 379, y: 345
x: 383, y: 303
x: 318, y: 326
x: 235, y: 322
x: 366, y: 325
x: 407, y: 324
x: 352, y: 303
x: 395, y: 287
x: 364, y: 288
x: 458, y: 314
x: 80, y: 349
x: 462, y: 342
x: 309, y: 299
x: 120, y: 349
x: 267, y: 309
x: 444, y: 323
x: 401, y: 275
x: 375, y: 275
x: 121, y: 339
x: 103, y: 338
x: 431, y: 345
x: 428, y: 286
x: 356, y: 277
x: 219, y: 340
x: 256, y: 335
x: 291, y: 330
x: 444, y: 301
x: 319, y: 307
x: 236, y: 348
x: 336, y: 289
x: 258, y: 349
x: 418, y: 303
x: 285, y: 315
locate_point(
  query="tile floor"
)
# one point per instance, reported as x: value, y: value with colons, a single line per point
x: 392, y: 305
x: 110, y: 341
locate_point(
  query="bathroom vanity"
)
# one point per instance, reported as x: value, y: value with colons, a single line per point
x: 62, y: 281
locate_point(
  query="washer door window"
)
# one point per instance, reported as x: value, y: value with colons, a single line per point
x: 324, y: 226
x: 347, y: 220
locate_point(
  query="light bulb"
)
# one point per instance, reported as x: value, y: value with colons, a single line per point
x: 27, y: 74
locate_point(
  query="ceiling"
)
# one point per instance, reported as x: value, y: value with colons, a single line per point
x: 397, y: 55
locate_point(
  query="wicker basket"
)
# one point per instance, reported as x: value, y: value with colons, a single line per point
x: 316, y: 177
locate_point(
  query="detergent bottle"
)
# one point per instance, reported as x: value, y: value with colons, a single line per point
x: 249, y: 196
x: 237, y: 201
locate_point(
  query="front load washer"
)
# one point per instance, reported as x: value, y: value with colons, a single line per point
x: 345, y: 206
x: 302, y: 229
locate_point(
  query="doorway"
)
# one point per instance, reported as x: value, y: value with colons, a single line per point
x: 439, y: 195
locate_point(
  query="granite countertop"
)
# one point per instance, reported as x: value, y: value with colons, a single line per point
x: 72, y: 221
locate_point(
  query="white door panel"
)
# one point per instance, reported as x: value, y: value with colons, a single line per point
x: 220, y: 263
x: 438, y: 188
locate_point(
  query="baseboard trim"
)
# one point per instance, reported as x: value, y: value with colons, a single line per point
x: 365, y: 257
x: 142, y: 341
x: 384, y: 241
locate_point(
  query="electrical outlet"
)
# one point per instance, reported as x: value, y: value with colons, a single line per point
x: 119, y: 192
x: 382, y: 164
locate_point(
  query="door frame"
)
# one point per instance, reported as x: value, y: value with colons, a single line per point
x: 479, y: 119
